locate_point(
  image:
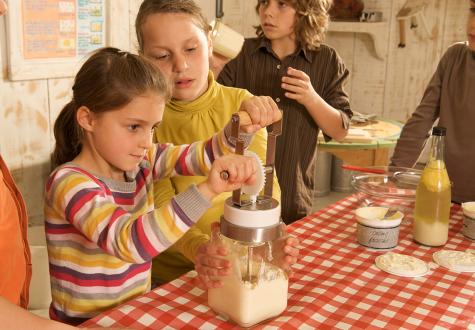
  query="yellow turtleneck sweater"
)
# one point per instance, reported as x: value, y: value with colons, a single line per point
x: 186, y: 122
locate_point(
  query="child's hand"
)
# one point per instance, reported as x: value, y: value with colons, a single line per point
x: 210, y: 263
x: 291, y: 252
x: 263, y: 112
x: 284, y: 252
x: 240, y: 170
x: 298, y: 86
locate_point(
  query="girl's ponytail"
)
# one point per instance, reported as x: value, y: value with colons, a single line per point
x: 68, y: 135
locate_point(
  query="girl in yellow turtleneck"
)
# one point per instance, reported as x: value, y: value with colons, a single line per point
x: 175, y: 36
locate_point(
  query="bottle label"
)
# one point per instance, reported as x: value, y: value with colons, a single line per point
x: 377, y: 238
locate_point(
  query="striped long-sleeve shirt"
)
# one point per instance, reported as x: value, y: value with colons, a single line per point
x: 102, y: 234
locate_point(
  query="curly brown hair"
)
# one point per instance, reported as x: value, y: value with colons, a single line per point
x: 311, y: 21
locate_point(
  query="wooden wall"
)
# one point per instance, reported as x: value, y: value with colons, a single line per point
x: 391, y: 87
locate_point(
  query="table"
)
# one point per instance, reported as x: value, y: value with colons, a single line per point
x: 372, y: 151
x: 336, y: 286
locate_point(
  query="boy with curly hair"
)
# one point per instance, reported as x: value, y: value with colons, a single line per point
x: 288, y: 62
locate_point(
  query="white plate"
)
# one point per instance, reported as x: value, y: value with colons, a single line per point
x: 457, y: 261
x: 402, y: 265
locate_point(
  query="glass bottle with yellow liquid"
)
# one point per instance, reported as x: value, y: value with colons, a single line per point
x: 433, y: 196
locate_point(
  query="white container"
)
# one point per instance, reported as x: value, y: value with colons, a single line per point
x: 375, y: 232
x: 226, y: 41
x: 250, y: 298
x: 469, y: 220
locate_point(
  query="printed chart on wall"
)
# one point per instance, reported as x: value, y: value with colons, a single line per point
x: 48, y: 38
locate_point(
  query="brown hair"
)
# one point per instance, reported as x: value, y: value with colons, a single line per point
x: 311, y: 21
x: 108, y: 80
x: 150, y: 7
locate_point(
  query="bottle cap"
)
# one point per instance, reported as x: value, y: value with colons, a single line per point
x: 439, y: 130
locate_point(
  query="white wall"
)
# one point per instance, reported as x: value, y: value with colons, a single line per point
x: 390, y: 87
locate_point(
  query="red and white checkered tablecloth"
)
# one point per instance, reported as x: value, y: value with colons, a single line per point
x: 336, y: 286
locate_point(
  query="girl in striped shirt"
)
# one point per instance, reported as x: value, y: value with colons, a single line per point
x: 102, y: 227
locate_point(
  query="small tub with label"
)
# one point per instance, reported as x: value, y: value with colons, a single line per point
x: 469, y: 219
x: 374, y: 230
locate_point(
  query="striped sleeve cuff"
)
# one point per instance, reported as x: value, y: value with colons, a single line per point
x: 246, y: 137
x: 192, y: 203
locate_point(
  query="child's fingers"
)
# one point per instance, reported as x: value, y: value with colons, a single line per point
x: 291, y: 88
x: 292, y: 96
x: 269, y: 106
x: 240, y: 168
x: 212, y: 249
x: 245, y: 172
x: 251, y: 128
x: 262, y: 103
x: 262, y: 110
x: 297, y: 74
x: 290, y: 260
x: 212, y: 271
x: 291, y: 251
x: 292, y: 81
x: 273, y: 111
x: 292, y: 241
x: 210, y: 263
x: 251, y: 106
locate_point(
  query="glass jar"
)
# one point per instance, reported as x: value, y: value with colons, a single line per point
x: 257, y: 287
x: 387, y: 186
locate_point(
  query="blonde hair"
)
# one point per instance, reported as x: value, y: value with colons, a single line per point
x: 151, y: 7
x: 311, y: 21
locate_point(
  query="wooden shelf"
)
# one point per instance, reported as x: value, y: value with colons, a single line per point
x: 376, y: 30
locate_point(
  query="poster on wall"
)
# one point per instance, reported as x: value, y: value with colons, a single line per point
x: 49, y: 38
